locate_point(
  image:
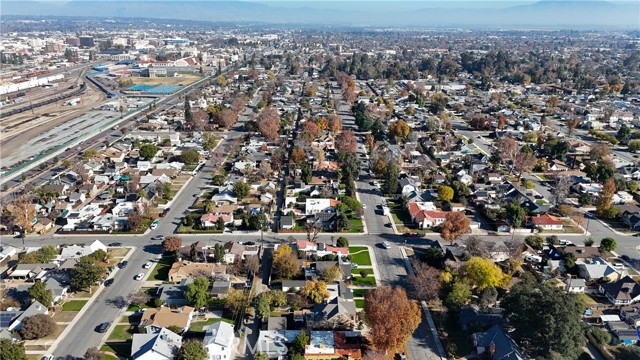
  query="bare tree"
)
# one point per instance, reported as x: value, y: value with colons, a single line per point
x: 476, y: 247
x: 313, y: 229
x: 560, y: 189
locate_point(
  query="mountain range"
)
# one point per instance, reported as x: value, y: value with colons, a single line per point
x: 552, y: 14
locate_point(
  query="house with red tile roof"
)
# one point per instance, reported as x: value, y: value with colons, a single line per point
x: 545, y: 222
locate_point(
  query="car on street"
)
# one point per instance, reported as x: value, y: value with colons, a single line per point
x: 364, y: 206
x: 113, y: 244
x: 195, y: 195
x: 138, y: 277
x: 123, y: 264
x: 385, y: 245
x: 147, y: 265
x: 157, y: 237
x: 102, y: 328
x: 565, y: 242
x: 590, y: 215
x: 108, y: 282
x: 625, y: 258
x: 47, y: 357
x: 164, y: 212
x: 154, y: 225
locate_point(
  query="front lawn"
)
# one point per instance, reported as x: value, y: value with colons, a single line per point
x: 161, y: 270
x: 122, y: 332
x: 120, y: 348
x: 361, y: 258
x: 360, y: 281
x: 359, y: 303
x: 360, y: 292
x: 357, y: 272
x: 73, y: 305
x: 356, y: 226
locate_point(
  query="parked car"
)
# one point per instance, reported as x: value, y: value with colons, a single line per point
x: 113, y: 244
x: 364, y: 206
x: 102, y: 328
x: 138, y: 277
x: 147, y: 265
x: 157, y: 237
x: 47, y: 357
x: 385, y: 245
x: 154, y: 225
x: 164, y: 212
x: 108, y: 282
x: 123, y: 264
x: 590, y: 215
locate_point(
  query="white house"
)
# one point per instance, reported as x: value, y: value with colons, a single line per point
x: 218, y: 340
x: 77, y: 251
x: 160, y: 344
x: 314, y: 206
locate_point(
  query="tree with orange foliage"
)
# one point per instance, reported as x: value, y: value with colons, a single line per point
x: 454, y: 225
x: 346, y: 141
x: 297, y: 155
x: 269, y: 123
x: 227, y: 118
x: 310, y: 131
x: 400, y: 130
x: 391, y: 317
x: 238, y: 105
x: 335, y: 125
x: 370, y: 142
x: 502, y: 121
x: 603, y: 203
x: 322, y: 123
x: 571, y: 125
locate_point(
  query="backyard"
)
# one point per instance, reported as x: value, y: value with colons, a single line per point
x: 161, y: 270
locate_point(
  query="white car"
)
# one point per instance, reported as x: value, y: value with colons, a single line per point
x: 364, y: 206
x: 47, y: 357
x: 385, y: 245
x: 138, y: 277
x: 147, y: 265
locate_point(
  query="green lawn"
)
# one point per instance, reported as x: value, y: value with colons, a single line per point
x: 359, y: 303
x: 122, y: 332
x: 161, y: 270
x: 197, y: 326
x: 73, y: 305
x: 355, y: 272
x: 354, y: 249
x: 361, y: 258
x: 360, y: 292
x: 356, y: 226
x: 122, y: 349
x: 360, y: 281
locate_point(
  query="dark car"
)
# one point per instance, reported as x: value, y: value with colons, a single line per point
x: 115, y: 244
x: 123, y: 264
x: 164, y: 212
x: 102, y: 328
x: 108, y: 282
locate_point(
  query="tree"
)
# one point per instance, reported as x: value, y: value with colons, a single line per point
x: 559, y: 331
x: 37, y: 326
x: 260, y: 356
x: 148, y: 151
x: 310, y: 131
x: 603, y: 202
x: 342, y: 242
x: 391, y: 184
x: 262, y: 304
x: 91, y: 153
x: 483, y: 273
x: 508, y: 150
x: 332, y: 274
x: 571, y: 125
x: 85, y: 273
x: 38, y: 291
x: 277, y: 298
x: 315, y: 290
x: 269, y: 123
x: 197, y: 292
x: 599, y: 152
x: 516, y: 214
x: 399, y: 130
x: 634, y: 146
x: 370, y: 142
x: 560, y: 189
x: 535, y: 241
x: 285, y: 263
x: 297, y: 155
x: 346, y: 141
x: 188, y: 117
x: 445, y: 193
x: 623, y: 133
x: 171, y: 244
x: 218, y: 253
x: 138, y: 298
x: 299, y: 343
x: 241, y: 189
x: 192, y: 350
x: 380, y: 167
x: 454, y: 225
x: 425, y: 284
x: 12, y: 350
x: 252, y: 264
x: 489, y: 296
x: 608, y: 244
x: 93, y: 353
x: 524, y: 161
x: 190, y: 156
x: 44, y: 255
x: 392, y: 318
x: 24, y: 211
x: 602, y: 336
x: 236, y: 300
x: 570, y: 260
x: 458, y: 295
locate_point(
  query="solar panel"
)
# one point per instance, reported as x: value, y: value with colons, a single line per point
x: 5, y: 319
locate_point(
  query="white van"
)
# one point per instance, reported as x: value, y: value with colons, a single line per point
x: 533, y: 258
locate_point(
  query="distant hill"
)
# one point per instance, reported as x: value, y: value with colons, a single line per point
x: 543, y: 14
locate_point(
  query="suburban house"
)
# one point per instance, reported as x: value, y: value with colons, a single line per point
x: 78, y: 251
x: 273, y: 343
x: 287, y: 222
x: 339, y: 309
x: 172, y: 295
x: 157, y: 344
x: 632, y: 220
x: 218, y: 340
x: 15, y: 318
x: 625, y: 291
x: 210, y: 220
x: 498, y: 343
x: 165, y: 317
x: 233, y: 250
x: 184, y: 269
x: 314, y: 206
x: 596, y: 269
x: 320, y: 249
x: 545, y: 222
x: 573, y: 285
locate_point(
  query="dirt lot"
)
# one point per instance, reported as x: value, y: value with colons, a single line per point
x: 182, y: 80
